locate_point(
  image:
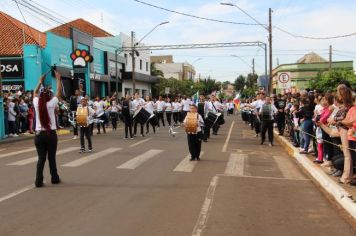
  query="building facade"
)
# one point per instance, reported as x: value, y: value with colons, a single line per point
x: 170, y: 69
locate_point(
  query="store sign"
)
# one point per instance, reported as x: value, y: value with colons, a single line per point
x: 98, y: 77
x: 284, y: 80
x: 81, y: 58
x: 11, y: 68
x: 12, y: 86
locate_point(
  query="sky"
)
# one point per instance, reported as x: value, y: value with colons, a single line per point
x: 317, y: 18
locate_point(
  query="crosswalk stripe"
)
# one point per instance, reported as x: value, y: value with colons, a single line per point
x: 236, y: 164
x: 138, y: 143
x: 186, y: 165
x: 35, y: 158
x: 90, y: 158
x: 17, y: 152
x: 139, y: 160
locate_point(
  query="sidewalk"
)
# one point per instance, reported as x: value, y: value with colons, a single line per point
x: 345, y: 195
x: 28, y: 136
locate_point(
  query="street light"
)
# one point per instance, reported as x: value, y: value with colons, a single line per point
x: 269, y: 29
x: 244, y: 61
x: 133, y: 52
x: 195, y: 61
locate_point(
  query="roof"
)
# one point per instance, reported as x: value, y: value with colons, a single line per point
x: 82, y: 25
x: 14, y: 33
x: 311, y: 58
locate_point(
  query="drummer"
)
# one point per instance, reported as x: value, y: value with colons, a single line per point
x: 160, y: 104
x: 176, y: 107
x: 168, y: 110
x: 216, y: 107
x: 194, y: 139
x: 85, y: 129
x: 99, y: 107
x: 137, y: 103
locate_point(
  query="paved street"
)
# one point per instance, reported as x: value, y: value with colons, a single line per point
x: 146, y: 186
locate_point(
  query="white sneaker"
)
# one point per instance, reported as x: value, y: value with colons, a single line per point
x: 75, y: 137
x: 15, y: 135
x: 11, y: 135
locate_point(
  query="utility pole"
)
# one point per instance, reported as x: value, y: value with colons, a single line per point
x: 270, y: 52
x: 133, y: 62
x: 330, y: 57
x: 253, y: 66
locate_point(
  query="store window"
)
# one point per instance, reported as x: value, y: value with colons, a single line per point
x: 140, y: 64
x: 146, y: 66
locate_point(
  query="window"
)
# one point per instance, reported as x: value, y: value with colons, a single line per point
x: 146, y: 66
x: 140, y: 64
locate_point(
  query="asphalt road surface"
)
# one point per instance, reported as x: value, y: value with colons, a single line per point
x: 147, y: 186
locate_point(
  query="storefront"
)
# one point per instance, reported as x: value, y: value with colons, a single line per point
x: 12, y: 71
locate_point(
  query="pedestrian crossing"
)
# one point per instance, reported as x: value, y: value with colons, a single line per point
x: 183, y: 165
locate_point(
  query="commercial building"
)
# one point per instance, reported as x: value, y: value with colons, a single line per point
x: 298, y: 75
x: 170, y: 69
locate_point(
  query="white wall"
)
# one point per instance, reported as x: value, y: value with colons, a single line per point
x: 144, y: 56
x: 169, y: 70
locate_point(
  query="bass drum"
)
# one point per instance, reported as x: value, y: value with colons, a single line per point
x: 142, y: 116
x: 154, y: 120
x: 211, y: 119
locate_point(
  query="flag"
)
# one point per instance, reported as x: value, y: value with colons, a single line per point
x: 237, y: 101
x: 196, y: 97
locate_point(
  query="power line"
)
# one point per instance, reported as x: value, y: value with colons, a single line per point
x: 314, y: 38
x: 28, y: 27
x: 193, y: 16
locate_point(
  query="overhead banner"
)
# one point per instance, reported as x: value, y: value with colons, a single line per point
x: 11, y: 68
x: 284, y: 80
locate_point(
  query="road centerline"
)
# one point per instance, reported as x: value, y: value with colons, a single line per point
x: 228, y: 137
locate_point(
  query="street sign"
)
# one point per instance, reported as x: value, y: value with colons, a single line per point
x: 166, y: 90
x: 284, y: 80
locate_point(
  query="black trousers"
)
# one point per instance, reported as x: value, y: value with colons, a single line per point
x: 114, y: 117
x: 46, y: 146
x: 101, y: 123
x: 267, y: 125
x: 135, y: 127
x: 328, y: 148
x: 206, y: 133
x: 160, y: 117
x: 150, y: 122
x: 85, y: 131
x: 216, y: 128
x: 281, y: 122
x: 183, y: 114
x: 175, y: 117
x: 257, y: 124
x: 128, y: 125
x: 169, y: 117
x: 194, y: 144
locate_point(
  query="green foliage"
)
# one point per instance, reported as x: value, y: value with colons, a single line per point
x: 185, y: 87
x: 155, y: 71
x: 240, y: 83
x: 247, y: 86
x: 328, y: 81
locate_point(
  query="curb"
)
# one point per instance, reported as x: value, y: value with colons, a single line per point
x: 338, y: 193
x: 28, y: 137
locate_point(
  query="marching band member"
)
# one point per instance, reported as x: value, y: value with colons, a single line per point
x: 114, y: 113
x: 99, y: 107
x: 193, y: 123
x: 137, y: 103
x: 176, y: 110
x: 186, y: 102
x: 202, y: 112
x: 46, y: 139
x: 267, y: 112
x: 84, y: 115
x: 168, y: 110
x: 257, y: 105
x: 74, y: 101
x: 160, y: 110
x: 149, y: 106
x: 126, y: 114
x: 217, y: 107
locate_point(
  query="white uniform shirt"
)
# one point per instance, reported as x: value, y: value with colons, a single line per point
x: 160, y: 106
x: 217, y: 107
x: 51, y: 107
x: 176, y: 106
x: 99, y: 106
x: 168, y: 106
x: 186, y: 104
x: 258, y: 104
x: 149, y: 107
x: 137, y: 103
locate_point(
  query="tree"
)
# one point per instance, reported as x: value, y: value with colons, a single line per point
x: 328, y: 81
x: 240, y: 83
x: 155, y: 71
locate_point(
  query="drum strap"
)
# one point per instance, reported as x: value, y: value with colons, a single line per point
x: 214, y: 107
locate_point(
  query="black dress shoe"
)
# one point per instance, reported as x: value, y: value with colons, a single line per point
x: 56, y: 181
x: 198, y: 159
x: 39, y: 184
x: 192, y: 159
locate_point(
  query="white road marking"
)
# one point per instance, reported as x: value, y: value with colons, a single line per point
x: 186, y: 165
x: 263, y: 177
x: 17, y: 152
x: 205, y: 210
x: 138, y: 143
x: 18, y: 192
x: 236, y: 164
x: 34, y: 159
x: 2, y: 149
x: 139, y: 160
x: 92, y: 157
x: 228, y: 137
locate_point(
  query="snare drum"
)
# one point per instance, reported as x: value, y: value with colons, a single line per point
x: 142, y: 116
x: 154, y: 120
x: 211, y: 119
